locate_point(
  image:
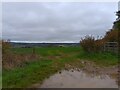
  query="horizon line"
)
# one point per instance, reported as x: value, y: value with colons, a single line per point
x: 43, y: 42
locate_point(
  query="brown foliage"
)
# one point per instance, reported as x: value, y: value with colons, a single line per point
x: 111, y: 36
x: 99, y: 45
x: 89, y: 44
x: 5, y: 47
x: 11, y: 60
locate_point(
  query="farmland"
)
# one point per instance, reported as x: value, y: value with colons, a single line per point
x: 54, y: 59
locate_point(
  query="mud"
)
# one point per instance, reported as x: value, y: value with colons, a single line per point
x: 88, y: 76
x: 79, y: 79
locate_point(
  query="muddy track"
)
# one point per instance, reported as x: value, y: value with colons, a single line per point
x: 90, y: 68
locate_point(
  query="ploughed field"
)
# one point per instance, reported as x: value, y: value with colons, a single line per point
x: 35, y: 65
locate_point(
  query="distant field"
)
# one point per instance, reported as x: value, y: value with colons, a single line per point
x: 52, y: 60
x: 71, y: 52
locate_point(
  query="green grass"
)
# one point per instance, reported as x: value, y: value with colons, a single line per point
x: 0, y: 79
x: 101, y: 58
x: 36, y: 71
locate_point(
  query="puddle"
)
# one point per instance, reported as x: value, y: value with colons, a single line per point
x: 78, y: 79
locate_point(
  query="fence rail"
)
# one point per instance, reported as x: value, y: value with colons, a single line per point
x: 111, y: 47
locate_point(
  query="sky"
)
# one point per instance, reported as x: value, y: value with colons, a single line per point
x: 56, y: 22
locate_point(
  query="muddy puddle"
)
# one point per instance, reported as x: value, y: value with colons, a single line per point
x: 78, y: 79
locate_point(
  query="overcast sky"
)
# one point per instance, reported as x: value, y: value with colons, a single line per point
x: 56, y: 22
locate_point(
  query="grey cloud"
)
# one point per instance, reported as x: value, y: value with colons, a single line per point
x: 56, y: 22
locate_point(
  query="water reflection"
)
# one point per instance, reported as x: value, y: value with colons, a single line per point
x: 78, y: 79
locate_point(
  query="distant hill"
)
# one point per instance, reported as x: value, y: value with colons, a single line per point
x: 24, y: 45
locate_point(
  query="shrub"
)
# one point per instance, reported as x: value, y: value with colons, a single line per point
x: 5, y: 47
x: 89, y: 44
x: 99, y: 45
x: 6, y: 54
x: 11, y: 59
x: 112, y: 36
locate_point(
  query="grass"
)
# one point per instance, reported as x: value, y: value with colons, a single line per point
x: 33, y: 72
x: 53, y: 60
x: 101, y: 58
x: 0, y: 79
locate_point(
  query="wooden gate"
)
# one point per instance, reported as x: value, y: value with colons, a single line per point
x: 111, y: 47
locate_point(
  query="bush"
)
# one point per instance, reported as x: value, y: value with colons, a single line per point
x: 99, y: 45
x: 89, y: 44
x: 5, y: 47
x: 112, y: 36
x: 11, y: 59
x: 7, y: 55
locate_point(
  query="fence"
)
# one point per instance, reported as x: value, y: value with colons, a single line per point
x: 111, y: 47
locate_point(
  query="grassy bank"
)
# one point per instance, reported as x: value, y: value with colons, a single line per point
x: 52, y: 60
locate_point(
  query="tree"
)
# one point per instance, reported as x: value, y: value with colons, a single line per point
x: 117, y: 22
